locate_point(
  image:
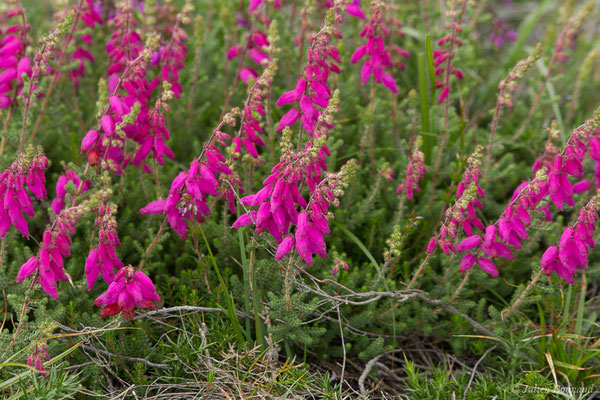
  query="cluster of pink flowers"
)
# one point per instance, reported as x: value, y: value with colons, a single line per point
x: 13, y: 63
x: 445, y: 56
x: 172, y: 51
x: 26, y: 170
x: 472, y: 174
x: 312, y: 91
x: 415, y: 171
x: 568, y: 37
x: 378, y: 62
x: 151, y: 133
x: 572, y: 252
x: 510, y: 228
x: 103, y: 259
x: 129, y: 289
x: 61, y: 192
x: 255, y: 46
x: 123, y: 48
x: 462, y: 213
x: 126, y: 116
x: 338, y: 265
x: 49, y: 263
x: 254, y: 4
x: 101, y: 145
x: 39, y: 352
x: 187, y: 199
x: 551, y: 181
x: 501, y: 32
x: 250, y: 125
x: 148, y: 129
x: 82, y: 39
x: 125, y: 45
x: 254, y: 109
x: 280, y: 196
x: 352, y: 9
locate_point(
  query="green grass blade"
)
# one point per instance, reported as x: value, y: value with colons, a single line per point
x: 360, y: 246
x: 423, y: 97
x: 430, y: 68
x: 228, y: 298
x: 246, y: 283
x: 525, y: 29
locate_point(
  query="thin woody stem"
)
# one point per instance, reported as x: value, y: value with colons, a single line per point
x: 518, y: 302
x: 21, y: 316
x: 461, y: 286
x: 153, y: 243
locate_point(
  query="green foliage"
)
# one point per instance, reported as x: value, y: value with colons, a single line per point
x: 234, y: 320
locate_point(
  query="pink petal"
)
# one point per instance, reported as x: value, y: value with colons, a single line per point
x: 288, y: 119
x: 27, y: 269
x: 284, y: 247
x: 154, y: 207
x: 487, y: 266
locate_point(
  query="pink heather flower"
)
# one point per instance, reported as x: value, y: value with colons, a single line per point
x: 560, y: 188
x: 55, y: 245
x: 173, y: 49
x: 280, y: 205
x: 247, y: 73
x: 352, y: 8
x: 355, y: 10
x: 284, y: 247
x: 288, y: 119
x: 254, y: 4
x: 256, y: 45
x: 61, y: 192
x: 250, y: 130
x: 463, y: 215
x: 125, y: 43
x: 89, y: 140
x: 467, y: 262
x: 378, y: 62
x: 468, y: 244
x: 487, y: 266
x: 581, y: 186
x: 280, y: 196
x: 469, y: 188
x: 130, y: 86
x: 13, y: 63
x: 148, y: 130
x: 103, y: 259
x: 431, y: 245
x: 511, y: 227
x: 572, y: 252
x: 39, y: 352
x: 338, y: 266
x: 151, y: 134
x: 188, y: 195
x: 312, y: 91
x: 123, y: 47
x: 501, y: 33
x: 567, y: 39
x: 14, y: 197
x: 442, y: 58
x: 415, y: 170
x: 82, y: 40
x: 444, y: 94
x: 129, y: 289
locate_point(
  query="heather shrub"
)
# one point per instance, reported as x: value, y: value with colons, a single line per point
x: 299, y: 199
